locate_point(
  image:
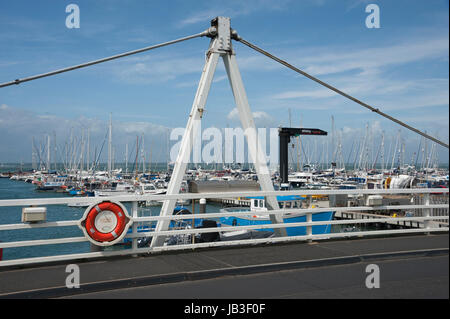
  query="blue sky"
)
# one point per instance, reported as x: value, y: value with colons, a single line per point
x: 401, y: 68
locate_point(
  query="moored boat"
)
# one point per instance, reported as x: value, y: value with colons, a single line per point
x: 286, y: 202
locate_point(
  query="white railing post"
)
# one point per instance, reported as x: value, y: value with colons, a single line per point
x: 134, y: 214
x: 427, y: 211
x: 309, y: 228
x: 309, y: 218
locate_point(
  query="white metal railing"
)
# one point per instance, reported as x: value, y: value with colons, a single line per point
x: 425, y: 217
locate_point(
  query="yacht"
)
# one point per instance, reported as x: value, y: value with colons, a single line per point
x: 117, y: 188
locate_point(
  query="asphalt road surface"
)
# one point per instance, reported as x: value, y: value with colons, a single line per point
x: 422, y: 277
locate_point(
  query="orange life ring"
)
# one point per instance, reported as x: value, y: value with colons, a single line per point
x: 105, y: 222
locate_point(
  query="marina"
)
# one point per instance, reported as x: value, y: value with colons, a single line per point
x: 391, y: 212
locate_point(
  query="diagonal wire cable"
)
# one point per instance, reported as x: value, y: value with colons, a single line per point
x: 79, y: 66
x: 373, y: 109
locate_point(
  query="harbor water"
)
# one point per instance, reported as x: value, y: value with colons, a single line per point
x: 10, y: 189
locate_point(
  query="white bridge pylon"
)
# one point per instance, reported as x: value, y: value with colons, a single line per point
x: 220, y: 46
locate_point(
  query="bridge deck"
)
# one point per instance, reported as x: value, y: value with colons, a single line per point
x: 110, y: 275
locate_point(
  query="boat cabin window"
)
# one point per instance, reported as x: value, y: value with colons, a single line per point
x: 258, y: 203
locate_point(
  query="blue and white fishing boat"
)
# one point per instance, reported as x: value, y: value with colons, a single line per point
x: 286, y: 202
x: 51, y: 183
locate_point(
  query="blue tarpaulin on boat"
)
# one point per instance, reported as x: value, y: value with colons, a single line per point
x: 282, y: 198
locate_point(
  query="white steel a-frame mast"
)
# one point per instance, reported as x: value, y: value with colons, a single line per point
x: 220, y: 46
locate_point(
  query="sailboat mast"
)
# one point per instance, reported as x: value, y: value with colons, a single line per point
x: 150, y: 159
x: 55, y: 149
x: 48, y: 152
x: 136, y: 160
x: 88, y: 166
x: 33, y: 155
x: 110, y: 146
x: 382, y: 152
x: 143, y: 154
x: 126, y: 158
x: 395, y: 150
x: 332, y: 140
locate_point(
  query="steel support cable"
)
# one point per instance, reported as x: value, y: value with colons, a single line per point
x: 79, y: 66
x: 373, y: 109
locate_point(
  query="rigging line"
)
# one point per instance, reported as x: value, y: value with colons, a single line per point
x: 351, y: 151
x: 79, y: 66
x: 373, y: 109
x: 129, y: 157
x: 101, y: 149
x: 306, y: 156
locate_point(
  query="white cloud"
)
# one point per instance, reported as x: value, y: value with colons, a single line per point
x: 220, y: 78
x: 386, y: 94
x: 233, y: 115
x: 203, y: 16
x: 236, y: 9
x: 261, y: 118
x: 347, y: 59
x: 19, y: 126
x: 368, y: 80
x: 322, y: 93
x: 156, y: 68
x: 259, y: 115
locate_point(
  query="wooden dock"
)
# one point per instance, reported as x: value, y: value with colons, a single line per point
x: 401, y: 223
